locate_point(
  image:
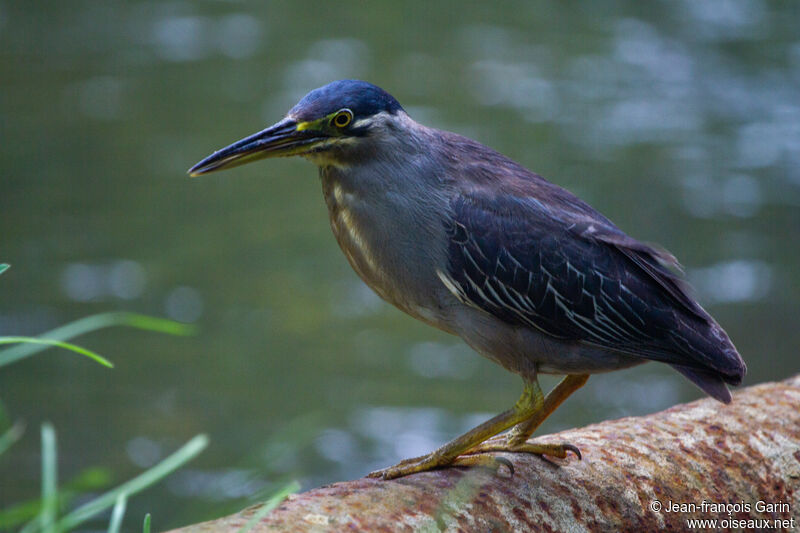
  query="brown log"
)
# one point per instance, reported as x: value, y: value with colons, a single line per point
x: 738, y: 454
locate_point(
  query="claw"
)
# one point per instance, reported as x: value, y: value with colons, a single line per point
x: 508, y: 464
x: 573, y: 449
x: 384, y: 474
x: 491, y: 462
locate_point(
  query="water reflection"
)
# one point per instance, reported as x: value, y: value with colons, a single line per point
x: 680, y: 121
x: 398, y: 431
x: 184, y: 304
x: 351, y: 298
x: 761, y: 144
x: 239, y: 35
x: 216, y: 485
x: 616, y: 393
x: 83, y: 282
x: 733, y: 281
x: 182, y: 38
x: 336, y: 445
x: 100, y: 97
x: 738, y: 194
x: 144, y: 452
x: 726, y: 19
x: 518, y: 86
x: 438, y: 360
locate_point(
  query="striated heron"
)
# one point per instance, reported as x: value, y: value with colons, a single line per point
x: 468, y: 241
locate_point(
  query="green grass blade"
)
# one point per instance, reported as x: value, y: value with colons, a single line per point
x: 4, y: 267
x: 274, y: 501
x: 21, y: 513
x: 83, y: 513
x: 146, y: 525
x: 47, y: 516
x: 31, y: 527
x: 5, y: 359
x: 152, y: 323
x: 116, y: 515
x: 94, y: 323
x: 26, y: 512
x: 12, y: 435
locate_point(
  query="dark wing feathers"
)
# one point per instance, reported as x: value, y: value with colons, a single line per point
x: 573, y: 275
x: 652, y: 260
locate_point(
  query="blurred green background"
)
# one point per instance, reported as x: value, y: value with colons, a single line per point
x: 678, y: 120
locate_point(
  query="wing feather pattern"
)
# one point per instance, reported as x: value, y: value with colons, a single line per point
x: 574, y: 276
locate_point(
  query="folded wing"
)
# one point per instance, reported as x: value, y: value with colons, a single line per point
x: 571, y: 274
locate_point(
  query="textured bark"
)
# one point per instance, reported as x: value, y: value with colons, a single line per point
x: 743, y: 453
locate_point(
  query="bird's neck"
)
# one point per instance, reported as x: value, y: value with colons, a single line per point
x: 389, y: 235
x: 358, y: 217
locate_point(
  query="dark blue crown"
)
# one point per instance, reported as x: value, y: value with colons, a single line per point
x: 362, y: 98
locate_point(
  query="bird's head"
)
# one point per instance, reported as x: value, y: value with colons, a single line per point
x: 326, y: 125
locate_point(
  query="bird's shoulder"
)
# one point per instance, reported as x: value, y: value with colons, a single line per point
x: 493, y: 181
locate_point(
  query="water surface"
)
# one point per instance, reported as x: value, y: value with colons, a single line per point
x: 678, y: 120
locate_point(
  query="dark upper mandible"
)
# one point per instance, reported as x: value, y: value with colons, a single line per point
x: 360, y: 97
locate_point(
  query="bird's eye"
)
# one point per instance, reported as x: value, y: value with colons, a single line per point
x: 342, y: 118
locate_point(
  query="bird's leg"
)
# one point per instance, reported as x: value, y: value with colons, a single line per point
x: 517, y: 438
x: 530, y: 402
x: 522, y: 431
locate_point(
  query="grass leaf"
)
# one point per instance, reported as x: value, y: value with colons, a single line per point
x: 4, y: 267
x: 94, y: 323
x: 149, y: 477
x: 146, y: 525
x: 5, y: 359
x: 274, y: 501
x: 12, y: 435
x: 47, y: 515
x: 89, y: 480
x: 116, y: 515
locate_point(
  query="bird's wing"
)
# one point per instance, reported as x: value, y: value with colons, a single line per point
x: 569, y: 273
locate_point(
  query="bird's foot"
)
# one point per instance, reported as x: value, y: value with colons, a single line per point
x: 433, y: 461
x: 411, y: 466
x: 552, y: 450
x: 526, y: 415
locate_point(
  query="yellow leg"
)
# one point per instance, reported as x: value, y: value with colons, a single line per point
x: 527, y: 414
x: 518, y: 436
x: 529, y: 403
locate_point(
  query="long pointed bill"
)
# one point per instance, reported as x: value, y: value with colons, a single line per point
x: 281, y: 139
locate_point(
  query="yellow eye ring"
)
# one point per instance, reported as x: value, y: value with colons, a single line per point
x: 342, y: 118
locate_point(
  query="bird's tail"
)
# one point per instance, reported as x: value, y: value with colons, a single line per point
x: 710, y: 382
x: 727, y: 366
